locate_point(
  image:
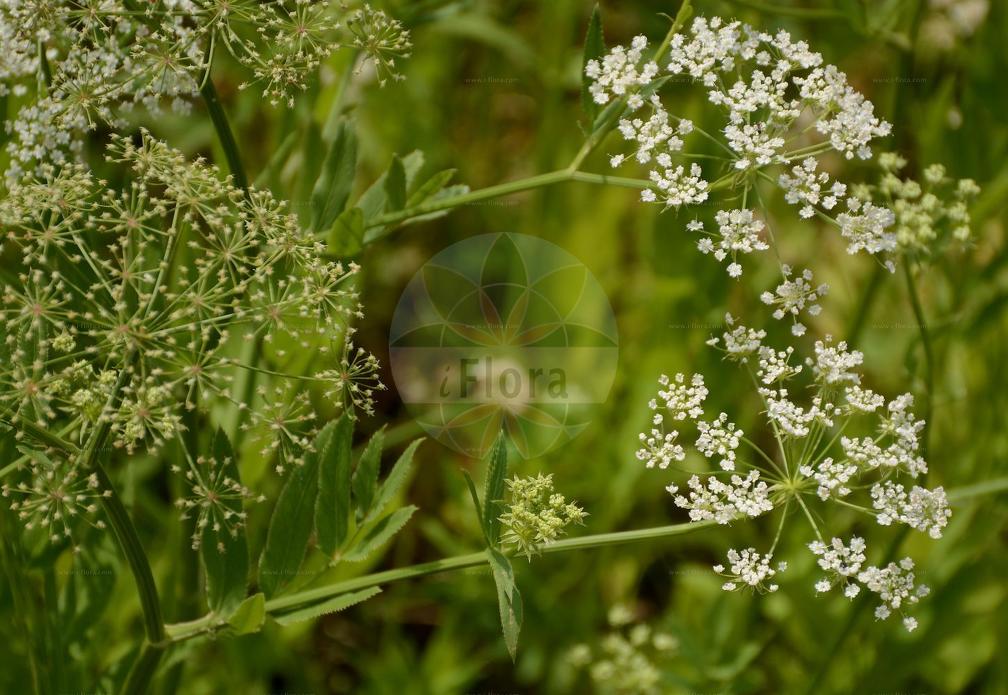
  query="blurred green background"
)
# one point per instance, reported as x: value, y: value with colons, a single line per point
x: 492, y: 89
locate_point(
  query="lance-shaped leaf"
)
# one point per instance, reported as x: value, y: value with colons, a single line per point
x: 430, y: 187
x: 225, y: 554
x: 379, y: 533
x: 291, y: 525
x: 395, y: 185
x: 509, y: 600
x: 332, y: 189
x: 365, y: 477
x: 346, y: 236
x: 333, y: 605
x: 332, y: 505
x: 476, y: 503
x: 396, y: 477
x: 494, y: 491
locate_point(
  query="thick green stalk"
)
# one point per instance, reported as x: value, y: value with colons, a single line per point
x: 131, y: 546
x: 224, y: 133
x: 183, y: 631
x: 140, y: 675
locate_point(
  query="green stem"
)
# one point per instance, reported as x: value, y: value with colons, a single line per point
x: 857, y: 325
x: 143, y: 669
x: 132, y: 548
x: 476, y: 196
x: 183, y: 631
x: 381, y: 225
x: 224, y: 134
x: 929, y: 360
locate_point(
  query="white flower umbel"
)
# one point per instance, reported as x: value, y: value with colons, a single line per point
x: 841, y: 564
x: 864, y: 226
x: 812, y: 464
x: 922, y: 509
x: 779, y: 113
x: 725, y: 502
x: 620, y: 71
x: 835, y: 364
x: 739, y: 342
x: 738, y: 232
x: 682, y: 400
x: 719, y: 439
x: 896, y: 588
x: 749, y: 569
x: 793, y: 296
x: 832, y: 477
x: 805, y: 187
x: 659, y: 448
x: 674, y: 186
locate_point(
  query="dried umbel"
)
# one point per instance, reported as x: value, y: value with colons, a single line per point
x: 82, y: 63
x: 841, y: 445
x: 127, y: 301
x: 782, y: 110
x: 55, y: 496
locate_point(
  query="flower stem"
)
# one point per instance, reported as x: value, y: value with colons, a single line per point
x: 183, y: 631
x: 929, y: 360
x: 500, y: 190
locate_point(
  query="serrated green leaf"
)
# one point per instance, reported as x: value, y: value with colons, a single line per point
x: 509, y: 600
x: 594, y: 47
x: 346, y: 236
x: 225, y: 556
x: 332, y: 189
x: 430, y: 187
x: 395, y: 185
x: 494, y: 490
x: 365, y: 477
x: 249, y: 616
x: 379, y: 534
x: 476, y: 503
x: 374, y: 201
x: 396, y: 477
x: 290, y: 527
x: 332, y: 505
x: 333, y: 605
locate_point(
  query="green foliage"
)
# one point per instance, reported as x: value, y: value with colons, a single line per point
x: 249, y: 616
x: 225, y: 556
x: 292, y: 522
x: 332, y: 188
x: 493, y: 493
x: 333, y: 605
x: 332, y: 505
